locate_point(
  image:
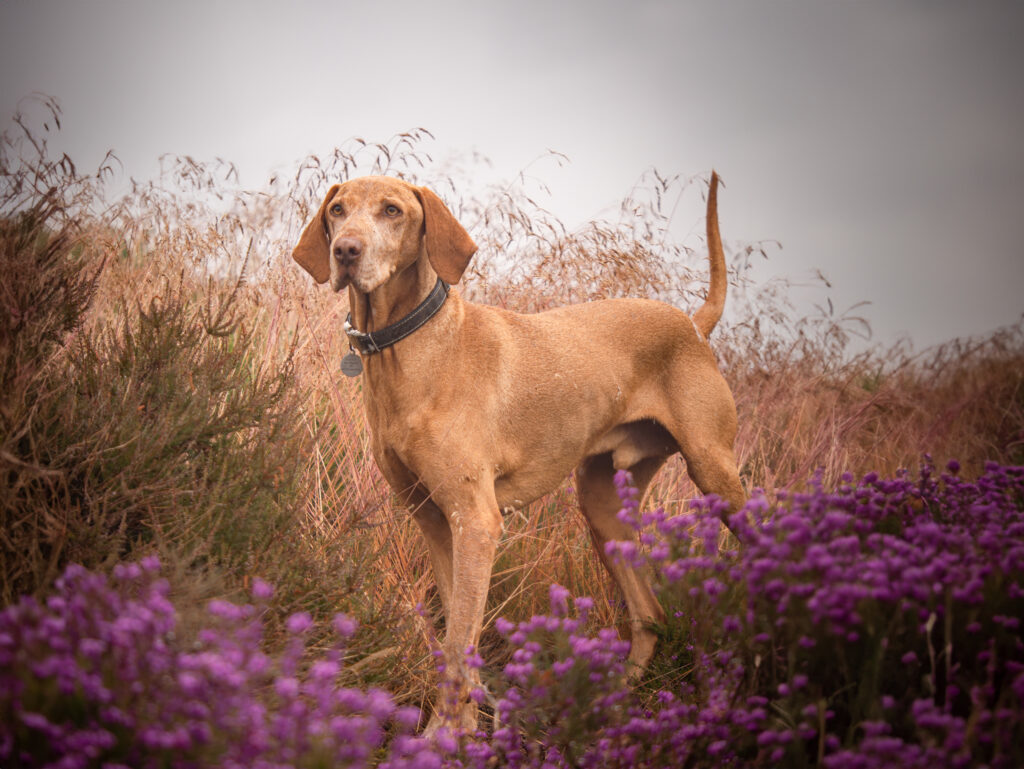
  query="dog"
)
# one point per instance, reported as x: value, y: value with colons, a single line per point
x: 475, y: 411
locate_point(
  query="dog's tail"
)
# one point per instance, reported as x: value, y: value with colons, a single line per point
x: 707, y: 316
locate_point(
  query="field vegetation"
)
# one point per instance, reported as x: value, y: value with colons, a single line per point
x: 200, y: 564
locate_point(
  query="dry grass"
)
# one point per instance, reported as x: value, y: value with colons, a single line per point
x: 322, y: 524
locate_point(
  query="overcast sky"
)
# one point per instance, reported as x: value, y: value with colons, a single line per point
x: 880, y: 142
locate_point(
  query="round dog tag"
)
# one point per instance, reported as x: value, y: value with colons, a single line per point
x: 351, y: 365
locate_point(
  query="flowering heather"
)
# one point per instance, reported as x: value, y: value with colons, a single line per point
x: 878, y: 625
x: 874, y: 626
x: 93, y: 678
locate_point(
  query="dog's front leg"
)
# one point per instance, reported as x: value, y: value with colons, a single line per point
x: 475, y: 532
x: 438, y: 536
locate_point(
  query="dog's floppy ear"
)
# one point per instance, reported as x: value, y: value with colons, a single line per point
x: 449, y: 246
x: 313, y: 250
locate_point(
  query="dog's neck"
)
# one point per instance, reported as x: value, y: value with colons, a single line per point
x: 386, y: 375
x: 394, y: 299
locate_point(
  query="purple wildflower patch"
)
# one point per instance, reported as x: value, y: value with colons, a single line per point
x: 872, y: 626
x: 891, y: 601
x: 93, y: 678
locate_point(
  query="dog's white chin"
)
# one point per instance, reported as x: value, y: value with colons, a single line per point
x: 367, y: 280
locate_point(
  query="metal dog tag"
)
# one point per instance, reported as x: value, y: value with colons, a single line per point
x: 351, y: 365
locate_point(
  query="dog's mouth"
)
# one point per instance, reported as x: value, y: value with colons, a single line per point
x: 340, y: 280
x: 362, y: 277
x: 343, y: 273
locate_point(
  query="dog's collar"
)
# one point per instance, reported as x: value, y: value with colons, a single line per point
x: 368, y: 343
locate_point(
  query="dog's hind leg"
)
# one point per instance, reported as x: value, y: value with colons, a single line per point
x: 702, y: 419
x: 713, y: 469
x: 600, y: 504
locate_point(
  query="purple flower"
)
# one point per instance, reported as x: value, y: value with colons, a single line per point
x: 559, y: 600
x: 299, y: 623
x: 262, y: 591
x: 344, y: 626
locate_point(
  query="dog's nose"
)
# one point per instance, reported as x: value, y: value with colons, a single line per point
x: 347, y: 250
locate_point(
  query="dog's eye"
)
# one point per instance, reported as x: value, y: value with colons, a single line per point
x: 336, y: 209
x: 392, y: 210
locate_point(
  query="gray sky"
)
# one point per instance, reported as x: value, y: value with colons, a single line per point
x: 880, y: 142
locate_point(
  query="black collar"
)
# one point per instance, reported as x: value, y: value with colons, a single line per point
x: 369, y: 343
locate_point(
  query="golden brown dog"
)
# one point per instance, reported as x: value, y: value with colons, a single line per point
x: 480, y: 411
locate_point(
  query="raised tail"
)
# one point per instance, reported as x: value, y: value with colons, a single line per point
x: 707, y: 316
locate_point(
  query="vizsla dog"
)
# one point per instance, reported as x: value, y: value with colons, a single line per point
x: 475, y: 411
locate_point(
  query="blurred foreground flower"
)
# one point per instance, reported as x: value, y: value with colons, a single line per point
x: 93, y: 678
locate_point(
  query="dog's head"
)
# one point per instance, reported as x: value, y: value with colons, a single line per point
x: 370, y: 228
